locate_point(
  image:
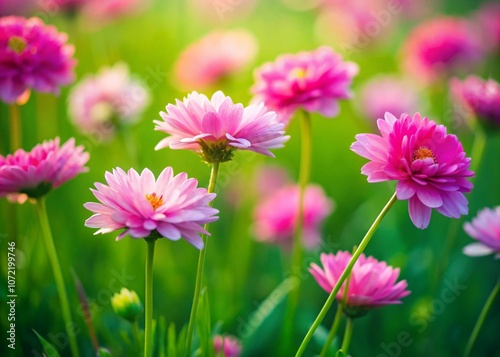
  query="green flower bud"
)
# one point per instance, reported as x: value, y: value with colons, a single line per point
x: 127, y: 304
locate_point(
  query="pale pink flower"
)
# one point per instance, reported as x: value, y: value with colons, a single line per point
x: 372, y: 283
x: 217, y: 11
x: 440, y: 47
x: 276, y: 216
x: 269, y: 179
x: 172, y: 207
x: 102, y: 11
x: 216, y: 127
x: 99, y: 103
x: 226, y: 346
x: 485, y: 228
x: 389, y: 93
x: 479, y: 97
x: 214, y: 57
x: 429, y: 165
x: 32, y: 56
x: 47, y: 166
x: 313, y: 81
x: 488, y: 20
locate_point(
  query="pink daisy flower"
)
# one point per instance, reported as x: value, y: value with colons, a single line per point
x: 226, y: 346
x: 430, y: 165
x: 372, y: 283
x: 388, y: 94
x: 440, y: 47
x: 216, y: 127
x: 45, y: 167
x: 214, y: 57
x: 313, y: 81
x: 485, y: 228
x: 481, y: 97
x: 276, y: 216
x: 99, y: 103
x: 32, y: 56
x: 172, y: 207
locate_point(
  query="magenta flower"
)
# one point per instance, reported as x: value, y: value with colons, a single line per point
x: 372, y: 283
x: 480, y: 97
x: 430, y: 165
x: 226, y: 346
x: 389, y: 94
x: 45, y: 167
x: 485, y: 228
x: 213, y: 58
x: 488, y: 20
x: 313, y: 81
x: 276, y: 216
x: 216, y: 127
x: 171, y: 206
x: 32, y: 56
x: 440, y: 47
x: 111, y: 98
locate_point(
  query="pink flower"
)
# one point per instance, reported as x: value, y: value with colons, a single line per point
x: 171, y: 206
x: 388, y: 94
x: 481, y: 97
x: 212, y: 58
x: 216, y: 127
x: 45, y: 167
x: 372, y: 283
x: 440, y: 47
x: 488, y: 20
x: 101, y: 11
x: 276, y: 216
x: 485, y: 228
x: 429, y: 165
x: 32, y: 56
x: 98, y: 103
x: 313, y: 81
x: 226, y: 346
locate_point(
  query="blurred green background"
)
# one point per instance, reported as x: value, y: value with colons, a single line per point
x: 241, y: 273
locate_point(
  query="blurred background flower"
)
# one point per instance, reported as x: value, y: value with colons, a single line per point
x: 227, y: 346
x: 485, y: 228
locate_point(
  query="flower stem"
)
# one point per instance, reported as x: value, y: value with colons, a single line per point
x: 201, y: 262
x: 15, y: 128
x: 148, y: 330
x: 347, y: 336
x: 304, y: 173
x: 345, y: 274
x: 137, y: 335
x: 481, y: 318
x: 333, y: 331
x: 58, y: 277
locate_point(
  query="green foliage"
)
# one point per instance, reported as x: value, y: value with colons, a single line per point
x: 49, y: 350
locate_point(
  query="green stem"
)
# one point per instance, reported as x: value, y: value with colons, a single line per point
x: 58, y: 277
x: 345, y: 274
x: 304, y: 174
x: 137, y: 335
x: 481, y: 318
x: 15, y: 128
x: 201, y: 262
x: 333, y: 331
x: 347, y: 336
x: 148, y: 330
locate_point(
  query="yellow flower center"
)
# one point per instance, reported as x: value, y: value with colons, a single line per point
x: 17, y: 44
x: 154, y: 200
x: 423, y: 152
x: 299, y: 72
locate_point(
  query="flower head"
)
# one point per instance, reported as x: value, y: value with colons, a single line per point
x: 45, y: 167
x: 388, y: 94
x: 372, y: 283
x: 32, y: 56
x: 485, y: 228
x: 216, y: 127
x: 439, y: 47
x: 488, y: 19
x: 430, y: 165
x: 127, y: 304
x: 276, y: 217
x: 214, y: 57
x: 481, y: 97
x: 171, y: 206
x: 313, y: 81
x: 226, y: 346
x: 99, y: 103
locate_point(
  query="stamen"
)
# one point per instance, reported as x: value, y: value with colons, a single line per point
x: 154, y: 200
x: 423, y: 152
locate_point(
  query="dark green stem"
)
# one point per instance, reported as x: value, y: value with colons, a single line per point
x: 148, y: 330
x: 347, y: 336
x: 201, y: 262
x: 58, y: 276
x: 345, y: 274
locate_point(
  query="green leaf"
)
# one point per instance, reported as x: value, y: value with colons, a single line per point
x: 181, y: 343
x: 49, y: 350
x: 204, y: 327
x: 172, y: 343
x: 161, y: 337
